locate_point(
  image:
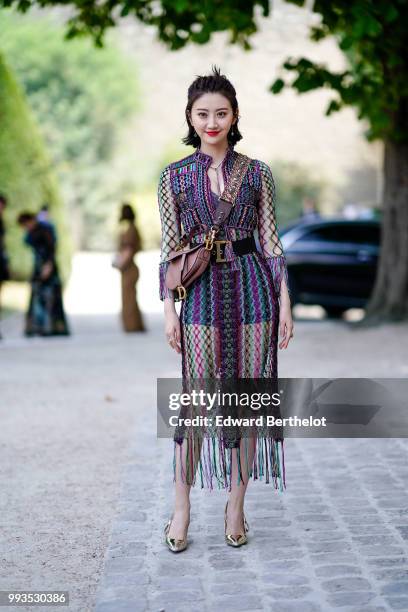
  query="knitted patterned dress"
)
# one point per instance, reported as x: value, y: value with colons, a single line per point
x: 229, y: 319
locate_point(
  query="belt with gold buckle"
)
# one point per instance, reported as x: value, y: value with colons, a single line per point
x: 218, y: 251
x: 240, y: 247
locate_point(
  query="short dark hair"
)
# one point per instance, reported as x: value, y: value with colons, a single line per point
x: 127, y: 213
x: 3, y: 199
x: 213, y: 83
x: 25, y: 216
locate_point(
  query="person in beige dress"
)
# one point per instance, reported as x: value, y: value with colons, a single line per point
x: 129, y: 244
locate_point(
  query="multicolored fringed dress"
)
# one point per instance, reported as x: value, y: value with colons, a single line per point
x: 229, y: 318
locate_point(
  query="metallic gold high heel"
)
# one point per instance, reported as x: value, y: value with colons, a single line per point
x: 172, y: 543
x: 239, y: 539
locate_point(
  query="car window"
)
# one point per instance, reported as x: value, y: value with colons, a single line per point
x: 365, y: 233
x: 357, y: 233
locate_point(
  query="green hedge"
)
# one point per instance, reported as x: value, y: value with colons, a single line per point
x: 26, y: 177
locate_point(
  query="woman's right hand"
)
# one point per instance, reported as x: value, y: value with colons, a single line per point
x: 172, y: 330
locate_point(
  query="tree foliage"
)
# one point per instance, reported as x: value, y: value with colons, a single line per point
x: 26, y: 176
x: 82, y: 98
x: 373, y: 35
x: 177, y: 21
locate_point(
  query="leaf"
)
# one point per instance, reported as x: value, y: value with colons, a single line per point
x: 346, y: 42
x: 333, y: 107
x: 180, y: 6
x: 391, y: 13
x: 277, y: 86
x: 318, y: 33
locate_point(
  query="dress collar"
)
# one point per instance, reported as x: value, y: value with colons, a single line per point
x: 206, y: 159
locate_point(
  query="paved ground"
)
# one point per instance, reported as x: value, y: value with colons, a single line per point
x: 86, y: 486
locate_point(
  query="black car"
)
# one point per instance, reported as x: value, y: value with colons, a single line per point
x: 332, y: 262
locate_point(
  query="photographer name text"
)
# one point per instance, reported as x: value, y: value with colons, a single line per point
x: 259, y: 421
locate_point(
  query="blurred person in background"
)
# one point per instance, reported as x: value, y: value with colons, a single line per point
x: 4, y: 268
x: 44, y: 217
x: 309, y: 211
x: 129, y: 244
x: 45, y: 316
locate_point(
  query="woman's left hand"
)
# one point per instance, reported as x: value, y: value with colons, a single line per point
x: 285, y: 324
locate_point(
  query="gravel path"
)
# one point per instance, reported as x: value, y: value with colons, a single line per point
x: 67, y: 413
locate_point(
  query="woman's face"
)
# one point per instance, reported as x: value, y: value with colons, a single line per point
x: 212, y: 117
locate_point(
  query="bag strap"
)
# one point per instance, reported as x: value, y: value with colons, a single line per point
x: 186, y: 237
x: 235, y: 179
x: 229, y: 195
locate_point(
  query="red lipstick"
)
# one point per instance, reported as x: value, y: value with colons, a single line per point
x: 212, y: 133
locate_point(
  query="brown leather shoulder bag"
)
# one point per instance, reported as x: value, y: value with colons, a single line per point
x: 187, y: 263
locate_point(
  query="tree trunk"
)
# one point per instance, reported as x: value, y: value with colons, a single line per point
x: 389, y: 300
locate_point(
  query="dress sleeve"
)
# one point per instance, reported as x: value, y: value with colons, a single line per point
x: 170, y: 229
x: 268, y: 229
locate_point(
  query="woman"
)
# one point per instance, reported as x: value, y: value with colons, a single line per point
x: 45, y: 316
x: 129, y: 245
x: 232, y: 314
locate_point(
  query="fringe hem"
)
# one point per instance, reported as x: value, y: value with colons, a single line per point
x: 214, y: 460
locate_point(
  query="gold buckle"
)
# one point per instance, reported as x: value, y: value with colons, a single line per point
x: 208, y: 243
x: 181, y: 292
x: 219, y: 258
x: 209, y: 239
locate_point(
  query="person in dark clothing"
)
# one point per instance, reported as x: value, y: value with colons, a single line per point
x: 4, y: 267
x: 44, y: 217
x: 45, y: 316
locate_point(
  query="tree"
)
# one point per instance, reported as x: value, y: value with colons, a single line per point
x: 82, y: 98
x: 26, y: 176
x: 372, y: 34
